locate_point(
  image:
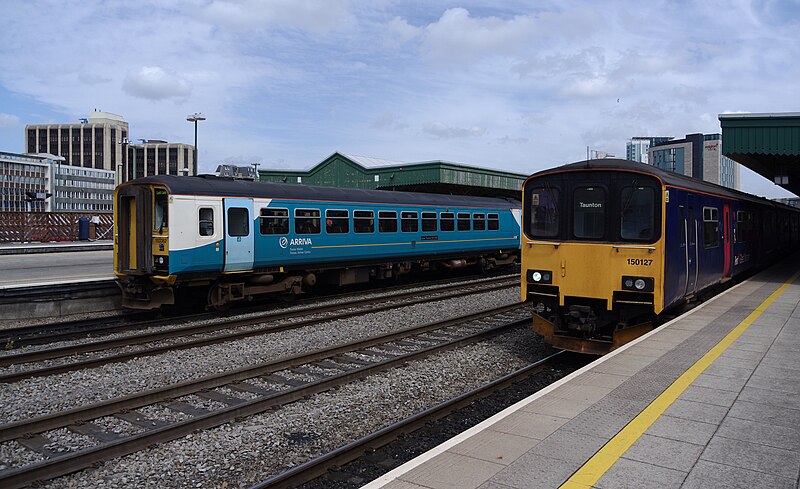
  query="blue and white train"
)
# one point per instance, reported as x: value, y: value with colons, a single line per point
x: 232, y: 240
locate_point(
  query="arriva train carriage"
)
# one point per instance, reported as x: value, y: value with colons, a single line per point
x: 609, y: 245
x: 230, y: 240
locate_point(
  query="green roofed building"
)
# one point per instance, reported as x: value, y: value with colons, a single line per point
x: 443, y: 177
x: 768, y: 144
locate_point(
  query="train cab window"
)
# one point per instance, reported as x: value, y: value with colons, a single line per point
x: 710, y: 227
x: 494, y: 222
x: 544, y: 212
x: 463, y: 221
x: 387, y: 221
x: 238, y: 221
x: 479, y: 222
x: 638, y: 213
x: 447, y: 221
x: 306, y: 221
x: 364, y: 221
x: 160, y: 214
x: 589, y: 204
x: 274, y: 221
x: 337, y: 221
x: 409, y: 223
x: 205, y: 219
x: 429, y: 222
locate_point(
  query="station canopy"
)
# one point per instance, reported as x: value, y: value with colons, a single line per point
x: 349, y: 171
x: 768, y: 144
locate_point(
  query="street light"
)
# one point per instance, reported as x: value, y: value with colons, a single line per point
x: 197, y: 116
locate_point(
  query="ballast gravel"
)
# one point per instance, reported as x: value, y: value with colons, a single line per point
x: 39, y: 396
x: 257, y: 447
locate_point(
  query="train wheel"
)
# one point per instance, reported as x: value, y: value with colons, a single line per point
x: 217, y: 298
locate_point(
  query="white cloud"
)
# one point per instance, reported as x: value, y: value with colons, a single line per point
x: 443, y: 131
x: 315, y: 16
x: 154, y: 83
x: 8, y: 121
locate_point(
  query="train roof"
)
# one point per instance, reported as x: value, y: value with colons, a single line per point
x: 228, y: 187
x: 667, y: 177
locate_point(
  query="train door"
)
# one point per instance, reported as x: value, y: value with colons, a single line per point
x: 692, y: 251
x: 239, y: 240
x: 727, y: 243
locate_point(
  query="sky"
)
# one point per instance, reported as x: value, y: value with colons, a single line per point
x: 513, y: 85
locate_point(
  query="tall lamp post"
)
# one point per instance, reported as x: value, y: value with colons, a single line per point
x: 197, y: 116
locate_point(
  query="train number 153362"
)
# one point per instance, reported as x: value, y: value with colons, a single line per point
x: 640, y: 262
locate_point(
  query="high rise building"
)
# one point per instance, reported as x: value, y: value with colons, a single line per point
x: 157, y: 157
x: 699, y: 156
x: 101, y: 142
x: 637, y: 147
x: 94, y: 142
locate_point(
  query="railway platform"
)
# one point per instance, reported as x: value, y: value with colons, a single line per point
x: 61, y: 247
x: 710, y: 399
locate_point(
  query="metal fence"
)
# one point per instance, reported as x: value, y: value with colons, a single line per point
x: 23, y: 227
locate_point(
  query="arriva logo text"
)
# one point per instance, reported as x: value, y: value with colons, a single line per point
x: 300, y: 241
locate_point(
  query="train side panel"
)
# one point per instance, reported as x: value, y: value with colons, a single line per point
x: 196, y: 239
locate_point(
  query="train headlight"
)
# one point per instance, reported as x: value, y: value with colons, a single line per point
x: 638, y: 284
x: 540, y: 276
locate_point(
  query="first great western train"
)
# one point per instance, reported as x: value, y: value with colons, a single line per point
x: 609, y: 245
x: 225, y: 240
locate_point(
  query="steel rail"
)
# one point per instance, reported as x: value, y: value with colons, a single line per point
x: 71, y: 462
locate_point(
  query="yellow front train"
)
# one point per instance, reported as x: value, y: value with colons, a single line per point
x: 592, y: 255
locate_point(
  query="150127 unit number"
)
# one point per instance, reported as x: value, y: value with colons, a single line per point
x: 640, y: 262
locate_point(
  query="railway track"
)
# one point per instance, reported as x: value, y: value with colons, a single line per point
x: 318, y: 466
x: 41, y: 334
x: 214, y: 400
x: 250, y: 326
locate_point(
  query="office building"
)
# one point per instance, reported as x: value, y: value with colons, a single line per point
x: 637, y: 147
x: 101, y: 142
x: 44, y: 183
x: 699, y: 156
x: 157, y: 157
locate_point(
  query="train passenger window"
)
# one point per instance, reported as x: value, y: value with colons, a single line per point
x: 494, y: 222
x: 429, y: 222
x: 337, y: 221
x: 589, y: 204
x: 306, y: 221
x: 479, y: 222
x: 409, y: 222
x: 544, y: 212
x: 744, y: 226
x: 160, y: 214
x: 206, y: 220
x: 387, y: 221
x: 710, y: 227
x: 238, y: 221
x: 463, y: 221
x: 364, y: 221
x: 274, y: 221
x: 448, y: 221
x: 637, y: 214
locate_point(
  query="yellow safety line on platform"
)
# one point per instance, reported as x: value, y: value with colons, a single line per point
x: 595, y: 467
